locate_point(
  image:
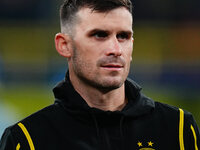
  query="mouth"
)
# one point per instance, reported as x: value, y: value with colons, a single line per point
x: 112, y: 66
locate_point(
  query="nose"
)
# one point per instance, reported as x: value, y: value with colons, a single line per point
x: 114, y: 47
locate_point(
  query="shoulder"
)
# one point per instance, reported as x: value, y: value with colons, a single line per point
x: 40, y: 115
x: 166, y: 107
x: 36, y: 119
x: 35, y: 123
x: 174, y: 112
x: 170, y: 108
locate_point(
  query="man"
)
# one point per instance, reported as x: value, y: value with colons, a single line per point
x: 96, y: 106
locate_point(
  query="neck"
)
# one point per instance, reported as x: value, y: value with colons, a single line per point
x: 112, y: 100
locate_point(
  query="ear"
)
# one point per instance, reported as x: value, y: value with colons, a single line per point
x: 63, y: 44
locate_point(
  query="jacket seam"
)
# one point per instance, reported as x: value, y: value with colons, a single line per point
x: 181, y: 128
x: 27, y: 135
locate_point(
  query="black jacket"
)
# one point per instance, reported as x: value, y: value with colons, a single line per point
x: 70, y: 124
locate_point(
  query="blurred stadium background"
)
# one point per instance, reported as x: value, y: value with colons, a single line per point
x: 166, y: 56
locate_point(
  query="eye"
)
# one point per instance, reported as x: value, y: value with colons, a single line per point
x: 123, y: 36
x: 100, y: 35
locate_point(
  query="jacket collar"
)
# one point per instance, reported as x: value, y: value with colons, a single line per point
x: 137, y: 105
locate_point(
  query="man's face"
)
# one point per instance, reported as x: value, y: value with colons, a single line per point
x: 102, y: 48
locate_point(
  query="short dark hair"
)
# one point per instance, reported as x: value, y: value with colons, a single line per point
x: 70, y: 7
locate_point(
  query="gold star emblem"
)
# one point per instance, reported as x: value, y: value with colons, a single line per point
x: 150, y: 143
x: 139, y: 144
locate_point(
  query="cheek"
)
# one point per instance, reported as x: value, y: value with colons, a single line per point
x: 131, y: 53
x: 88, y: 56
x: 88, y: 48
x: 129, y: 50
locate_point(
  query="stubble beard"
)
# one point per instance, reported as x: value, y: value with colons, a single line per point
x: 85, y: 74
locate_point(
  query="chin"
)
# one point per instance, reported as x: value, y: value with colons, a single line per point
x: 112, y: 84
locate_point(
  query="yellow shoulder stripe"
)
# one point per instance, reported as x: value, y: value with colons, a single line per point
x: 181, y: 125
x: 28, y: 137
x: 195, y: 137
x: 18, y: 146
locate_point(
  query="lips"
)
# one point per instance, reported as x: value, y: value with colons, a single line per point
x: 111, y: 63
x: 112, y: 66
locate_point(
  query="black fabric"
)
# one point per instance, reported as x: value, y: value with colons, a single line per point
x: 71, y: 124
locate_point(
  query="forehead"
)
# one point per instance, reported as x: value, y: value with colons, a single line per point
x: 118, y: 19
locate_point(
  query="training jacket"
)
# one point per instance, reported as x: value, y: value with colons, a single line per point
x: 70, y: 124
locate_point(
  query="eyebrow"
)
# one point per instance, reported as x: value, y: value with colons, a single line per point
x: 130, y: 33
